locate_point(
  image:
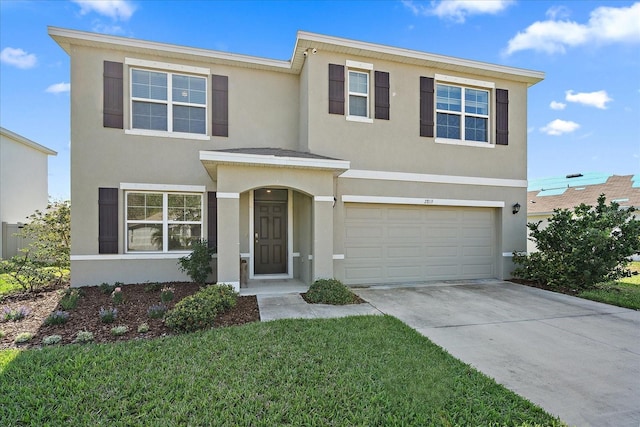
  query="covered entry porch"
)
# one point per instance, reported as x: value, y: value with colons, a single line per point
x: 274, y: 212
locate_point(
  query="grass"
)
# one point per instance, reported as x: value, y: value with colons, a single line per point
x: 357, y: 371
x: 623, y: 293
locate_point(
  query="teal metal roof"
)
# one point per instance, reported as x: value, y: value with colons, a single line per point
x: 546, y: 185
x: 553, y: 192
x: 635, y: 181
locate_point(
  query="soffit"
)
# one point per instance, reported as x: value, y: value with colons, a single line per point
x: 305, y: 40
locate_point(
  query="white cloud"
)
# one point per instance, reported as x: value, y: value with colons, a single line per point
x: 18, y: 58
x: 458, y: 10
x: 59, y: 88
x: 99, y: 27
x: 559, y: 127
x: 555, y: 105
x: 555, y: 12
x: 605, y: 25
x: 120, y: 10
x: 597, y: 99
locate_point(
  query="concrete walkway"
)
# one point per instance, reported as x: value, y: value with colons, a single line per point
x: 577, y: 359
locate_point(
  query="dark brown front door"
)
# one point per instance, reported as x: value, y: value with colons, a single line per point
x: 270, y: 231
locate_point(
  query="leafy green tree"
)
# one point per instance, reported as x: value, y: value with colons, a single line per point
x: 46, y: 260
x: 583, y: 247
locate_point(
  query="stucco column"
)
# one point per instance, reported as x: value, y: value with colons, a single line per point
x: 229, y: 239
x: 323, y: 237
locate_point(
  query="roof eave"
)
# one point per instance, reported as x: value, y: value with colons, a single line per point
x: 29, y: 143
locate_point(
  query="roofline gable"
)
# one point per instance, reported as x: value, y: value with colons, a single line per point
x: 304, y: 40
x: 29, y: 143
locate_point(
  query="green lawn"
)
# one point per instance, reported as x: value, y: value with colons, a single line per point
x: 623, y: 293
x: 358, y: 371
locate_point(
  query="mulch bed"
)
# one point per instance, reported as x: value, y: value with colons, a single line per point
x: 131, y: 312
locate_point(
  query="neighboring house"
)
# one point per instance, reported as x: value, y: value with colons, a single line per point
x: 566, y: 192
x: 363, y: 162
x: 23, y: 185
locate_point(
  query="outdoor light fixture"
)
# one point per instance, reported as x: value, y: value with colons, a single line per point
x: 516, y: 208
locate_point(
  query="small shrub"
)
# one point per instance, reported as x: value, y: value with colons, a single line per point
x: 119, y: 330
x: 330, y: 291
x: 23, y: 337
x: 152, y: 287
x: 70, y: 299
x: 58, y: 317
x: 117, y: 296
x: 107, y: 288
x: 198, y: 263
x: 51, y: 340
x: 83, y: 337
x: 198, y: 311
x: 15, y: 315
x: 166, y: 294
x: 143, y: 328
x: 156, y: 311
x: 108, y: 315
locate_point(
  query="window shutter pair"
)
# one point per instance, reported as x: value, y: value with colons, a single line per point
x: 337, y: 92
x: 113, y: 102
x: 108, y: 220
x: 427, y: 112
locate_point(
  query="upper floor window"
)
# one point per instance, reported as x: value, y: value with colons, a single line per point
x: 462, y: 113
x: 170, y: 102
x: 358, y: 94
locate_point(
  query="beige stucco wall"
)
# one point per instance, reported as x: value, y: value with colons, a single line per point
x: 395, y: 144
x: 23, y: 182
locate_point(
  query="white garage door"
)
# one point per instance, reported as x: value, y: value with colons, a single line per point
x: 400, y: 243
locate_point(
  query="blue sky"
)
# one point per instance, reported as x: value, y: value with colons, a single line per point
x: 585, y: 116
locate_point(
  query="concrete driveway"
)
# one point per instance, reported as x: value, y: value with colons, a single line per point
x: 579, y: 360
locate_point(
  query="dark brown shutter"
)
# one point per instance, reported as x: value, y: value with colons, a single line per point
x: 108, y: 220
x: 336, y: 89
x: 502, y: 117
x: 113, y: 110
x: 382, y: 95
x: 220, y: 105
x: 426, y: 106
x: 212, y: 220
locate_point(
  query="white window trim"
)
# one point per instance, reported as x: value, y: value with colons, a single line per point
x: 464, y: 83
x: 162, y: 187
x: 169, y: 70
x: 165, y: 220
x: 364, y: 68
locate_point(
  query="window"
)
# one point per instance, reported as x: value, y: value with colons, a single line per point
x: 358, y: 94
x: 462, y: 113
x: 169, y: 102
x: 162, y: 222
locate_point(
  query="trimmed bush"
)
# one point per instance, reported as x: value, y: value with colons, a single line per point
x: 330, y: 291
x: 23, y: 337
x: 119, y: 330
x: 83, y: 337
x: 198, y: 263
x: 198, y: 311
x: 51, y: 340
x: 58, y: 317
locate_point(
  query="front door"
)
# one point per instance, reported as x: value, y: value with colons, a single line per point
x: 270, y: 231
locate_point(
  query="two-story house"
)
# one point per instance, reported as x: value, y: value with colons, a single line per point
x: 363, y: 162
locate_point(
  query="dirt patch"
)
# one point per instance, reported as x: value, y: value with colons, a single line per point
x: 132, y: 312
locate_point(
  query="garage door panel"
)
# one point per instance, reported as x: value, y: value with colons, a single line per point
x: 391, y: 243
x: 364, y: 252
x: 406, y: 252
x: 403, y: 232
x: 366, y: 232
